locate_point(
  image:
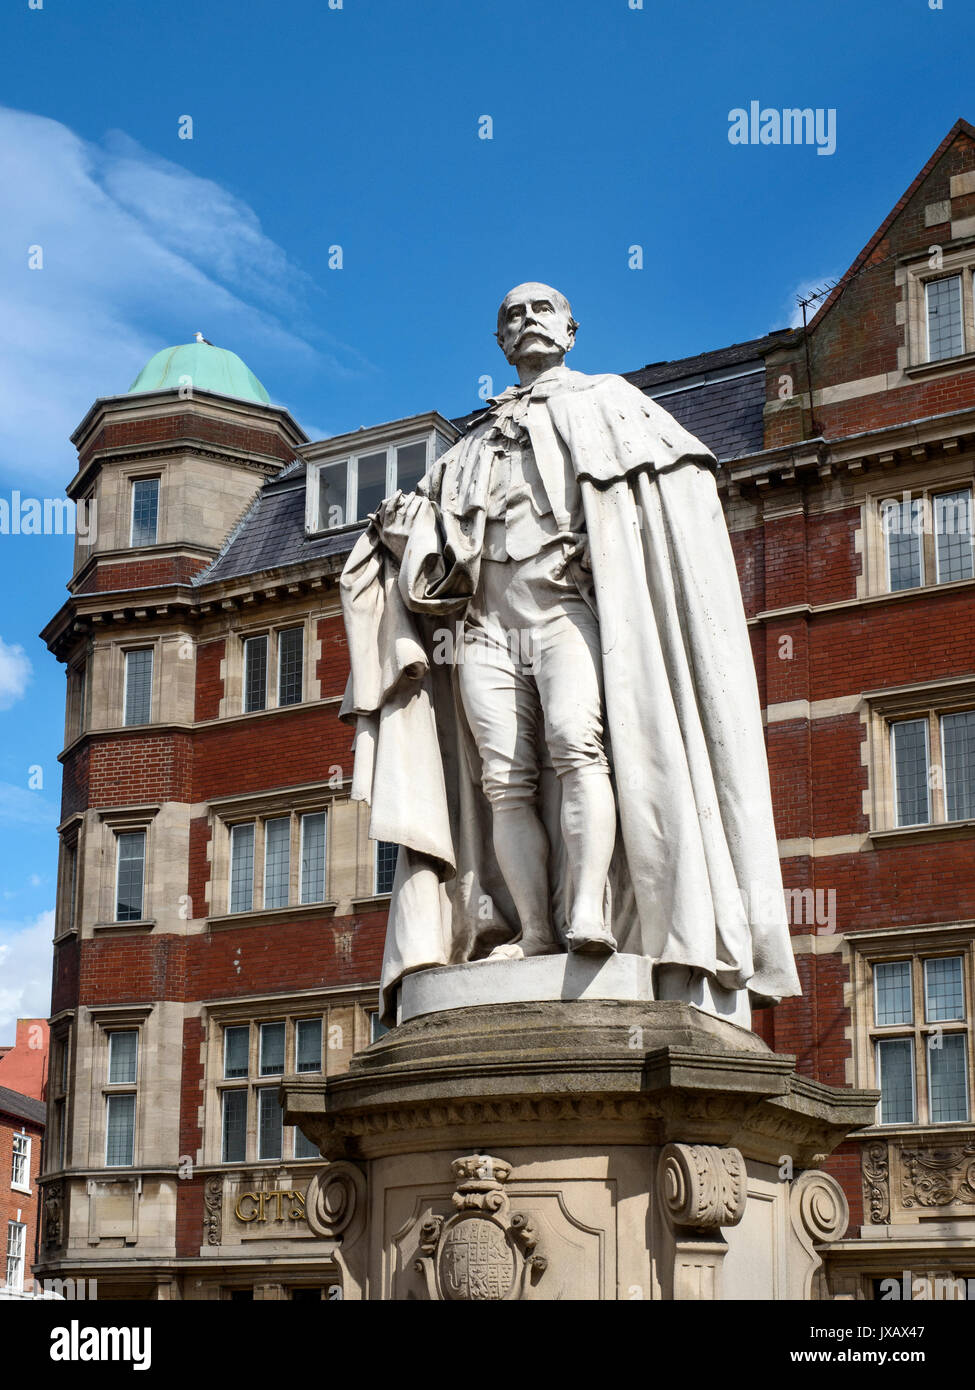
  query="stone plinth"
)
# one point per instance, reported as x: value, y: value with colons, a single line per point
x: 584, y: 1148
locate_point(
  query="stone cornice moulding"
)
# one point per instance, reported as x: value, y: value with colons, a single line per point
x: 149, y: 405
x: 389, y: 431
x: 293, y: 798
x: 861, y: 601
x: 293, y: 1001
x: 119, y: 1013
x: 263, y: 916
x: 948, y: 933
x: 853, y: 452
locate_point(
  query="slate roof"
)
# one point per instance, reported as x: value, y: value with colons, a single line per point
x: 718, y: 396
x: 272, y: 533
x: 22, y: 1107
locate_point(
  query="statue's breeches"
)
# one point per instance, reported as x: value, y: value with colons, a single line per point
x: 531, y: 685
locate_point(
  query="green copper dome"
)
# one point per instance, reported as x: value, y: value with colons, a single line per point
x: 208, y: 368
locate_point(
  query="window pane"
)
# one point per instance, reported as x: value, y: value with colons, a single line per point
x: 385, y: 865
x: 411, y: 464
x: 313, y: 858
x: 910, y: 744
x: 290, y: 650
x: 145, y: 510
x: 332, y: 510
x: 120, y: 1131
x: 947, y: 1080
x: 372, y: 484
x: 272, y: 1049
x: 892, y: 992
x: 236, y: 1046
x: 903, y: 524
x: 138, y: 686
x: 308, y: 1034
x: 895, y: 1076
x: 953, y: 535
x: 305, y: 1147
x: 958, y: 735
x: 270, y: 1124
x: 130, y: 876
x: 376, y: 1027
x: 242, y: 868
x: 943, y: 998
x: 16, y: 1246
x: 123, y: 1057
x: 234, y: 1126
x: 20, y: 1166
x: 70, y: 884
x: 944, y: 318
x: 277, y: 861
x: 255, y: 674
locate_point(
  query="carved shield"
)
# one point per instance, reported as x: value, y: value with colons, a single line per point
x: 476, y: 1262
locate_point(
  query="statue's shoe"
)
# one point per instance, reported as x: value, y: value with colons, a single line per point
x: 594, y: 941
x: 521, y: 950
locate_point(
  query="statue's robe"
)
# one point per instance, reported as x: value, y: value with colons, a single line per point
x: 695, y: 879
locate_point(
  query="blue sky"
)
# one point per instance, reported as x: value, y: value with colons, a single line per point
x: 358, y: 127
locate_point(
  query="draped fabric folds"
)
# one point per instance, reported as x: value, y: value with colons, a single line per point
x: 695, y: 879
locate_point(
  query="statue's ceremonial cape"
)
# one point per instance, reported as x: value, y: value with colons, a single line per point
x: 695, y: 878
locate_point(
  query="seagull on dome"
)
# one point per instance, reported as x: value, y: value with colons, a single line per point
x: 200, y: 339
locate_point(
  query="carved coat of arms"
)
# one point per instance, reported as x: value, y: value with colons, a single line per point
x: 483, y: 1253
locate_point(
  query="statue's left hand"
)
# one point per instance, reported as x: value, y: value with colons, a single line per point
x: 394, y: 518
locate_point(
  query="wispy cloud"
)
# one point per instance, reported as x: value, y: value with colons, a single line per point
x: 25, y: 809
x: 803, y: 290
x: 15, y: 673
x: 25, y: 971
x: 135, y: 253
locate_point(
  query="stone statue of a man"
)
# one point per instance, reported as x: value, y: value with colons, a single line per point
x: 557, y: 714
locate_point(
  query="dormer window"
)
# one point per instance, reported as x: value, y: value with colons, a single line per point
x: 345, y: 485
x: 145, y: 511
x: 350, y: 489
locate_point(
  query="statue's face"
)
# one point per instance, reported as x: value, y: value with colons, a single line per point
x: 534, y: 321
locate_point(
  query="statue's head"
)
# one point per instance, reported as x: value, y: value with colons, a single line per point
x: 535, y: 321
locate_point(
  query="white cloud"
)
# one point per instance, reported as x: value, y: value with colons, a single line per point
x: 802, y: 291
x: 25, y: 809
x: 25, y: 971
x: 138, y: 254
x: 15, y: 672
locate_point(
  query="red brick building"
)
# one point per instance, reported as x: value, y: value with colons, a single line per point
x: 221, y: 907
x: 23, y: 1094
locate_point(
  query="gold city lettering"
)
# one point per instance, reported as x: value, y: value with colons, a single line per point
x: 261, y: 1201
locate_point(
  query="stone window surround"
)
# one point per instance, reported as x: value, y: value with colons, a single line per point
x: 101, y: 855
x: 232, y: 700
x: 59, y: 1093
x: 129, y: 473
x: 78, y: 676
x: 954, y: 476
x: 915, y: 943
x: 254, y: 1011
x: 114, y: 650
x: 916, y: 273
x: 258, y: 808
x: 105, y: 1020
x: 154, y: 475
x: 882, y: 708
x: 71, y: 835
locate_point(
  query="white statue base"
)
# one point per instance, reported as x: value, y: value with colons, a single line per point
x: 544, y: 979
